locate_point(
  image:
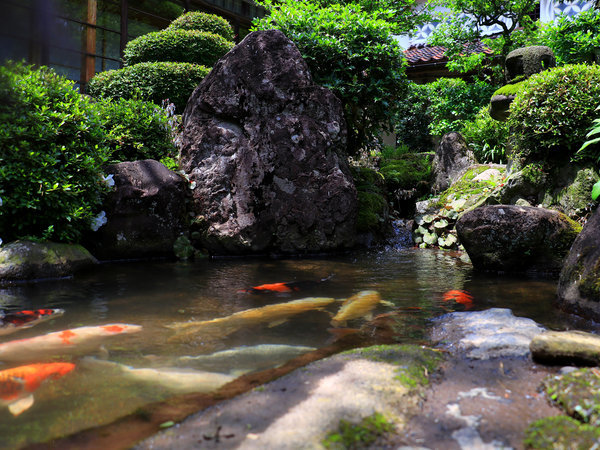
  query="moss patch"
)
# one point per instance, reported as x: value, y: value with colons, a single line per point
x: 560, y: 432
x: 372, y: 211
x: 577, y: 393
x: 360, y: 435
x: 407, y: 171
x: 415, y: 363
x: 509, y: 89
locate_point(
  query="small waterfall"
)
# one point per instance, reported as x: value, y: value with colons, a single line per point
x: 401, y: 236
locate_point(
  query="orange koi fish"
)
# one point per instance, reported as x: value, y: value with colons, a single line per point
x: 285, y: 287
x: 459, y: 296
x: 74, y: 341
x: 18, y: 384
x: 14, y: 321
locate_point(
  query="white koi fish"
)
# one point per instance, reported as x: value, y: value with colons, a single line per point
x: 175, y: 379
x: 74, y: 341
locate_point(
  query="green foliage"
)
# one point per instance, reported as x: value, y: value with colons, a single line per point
x: 136, y: 130
x: 438, y: 108
x: 412, y: 120
x: 594, y: 141
x: 553, y: 112
x: 486, y: 137
x: 196, y: 20
x: 51, y: 152
x: 407, y: 171
x: 574, y: 39
x: 596, y: 191
x: 153, y: 81
x: 192, y: 46
x: 459, y: 32
x: 352, y: 52
x: 360, y: 435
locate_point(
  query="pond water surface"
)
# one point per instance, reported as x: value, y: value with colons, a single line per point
x: 153, y: 295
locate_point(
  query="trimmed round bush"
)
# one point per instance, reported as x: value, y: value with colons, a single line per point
x: 153, y: 81
x: 196, y: 20
x: 51, y: 154
x: 198, y: 47
x: 554, y: 111
x: 136, y: 130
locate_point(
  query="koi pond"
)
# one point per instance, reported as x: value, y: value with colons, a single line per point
x: 106, y: 375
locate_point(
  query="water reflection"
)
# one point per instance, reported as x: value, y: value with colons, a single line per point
x: 136, y: 369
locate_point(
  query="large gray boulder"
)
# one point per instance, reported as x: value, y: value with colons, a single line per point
x: 145, y: 213
x: 30, y: 261
x: 520, y: 239
x: 452, y: 158
x: 579, y: 283
x: 264, y: 148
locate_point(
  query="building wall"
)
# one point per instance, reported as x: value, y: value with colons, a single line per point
x: 79, y: 38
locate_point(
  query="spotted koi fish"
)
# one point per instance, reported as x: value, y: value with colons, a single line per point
x: 73, y: 341
x: 18, y: 320
x: 18, y: 384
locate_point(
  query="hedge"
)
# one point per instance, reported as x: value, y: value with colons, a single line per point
x: 200, y: 21
x: 153, y: 81
x: 554, y: 111
x: 198, y: 47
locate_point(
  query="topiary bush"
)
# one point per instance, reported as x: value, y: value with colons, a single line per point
x: 553, y: 112
x: 153, y: 81
x: 51, y: 154
x: 486, y: 137
x: 192, y: 46
x: 136, y: 130
x: 196, y: 20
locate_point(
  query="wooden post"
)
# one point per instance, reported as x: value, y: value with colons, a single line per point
x: 88, y: 66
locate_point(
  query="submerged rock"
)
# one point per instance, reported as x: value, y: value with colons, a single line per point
x: 508, y: 238
x: 566, y: 347
x: 264, y: 148
x: 579, y: 283
x: 145, y: 213
x: 493, y: 333
x: 29, y: 261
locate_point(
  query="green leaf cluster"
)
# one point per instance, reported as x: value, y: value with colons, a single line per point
x: 359, y: 435
x: 486, y: 137
x: 51, y: 151
x: 553, y: 112
x: 440, y: 107
x: 176, y: 45
x: 574, y: 39
x: 196, y: 20
x: 353, y: 53
x: 135, y: 130
x: 152, y: 81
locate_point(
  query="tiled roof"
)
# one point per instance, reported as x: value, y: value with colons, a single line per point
x: 424, y: 54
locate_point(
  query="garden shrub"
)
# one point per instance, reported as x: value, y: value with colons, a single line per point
x: 192, y: 46
x: 153, y: 81
x: 454, y: 102
x: 574, y: 39
x: 486, y: 137
x: 412, y: 120
x: 554, y: 111
x: 407, y: 171
x: 372, y: 205
x: 196, y: 20
x: 136, y: 130
x: 437, y: 108
x: 351, y: 52
x: 51, y: 153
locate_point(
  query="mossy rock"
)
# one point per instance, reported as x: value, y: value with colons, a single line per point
x: 574, y: 200
x: 372, y: 211
x: 31, y: 261
x: 511, y: 89
x: 560, y: 432
x: 577, y: 393
x: 527, y: 61
x: 407, y: 171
